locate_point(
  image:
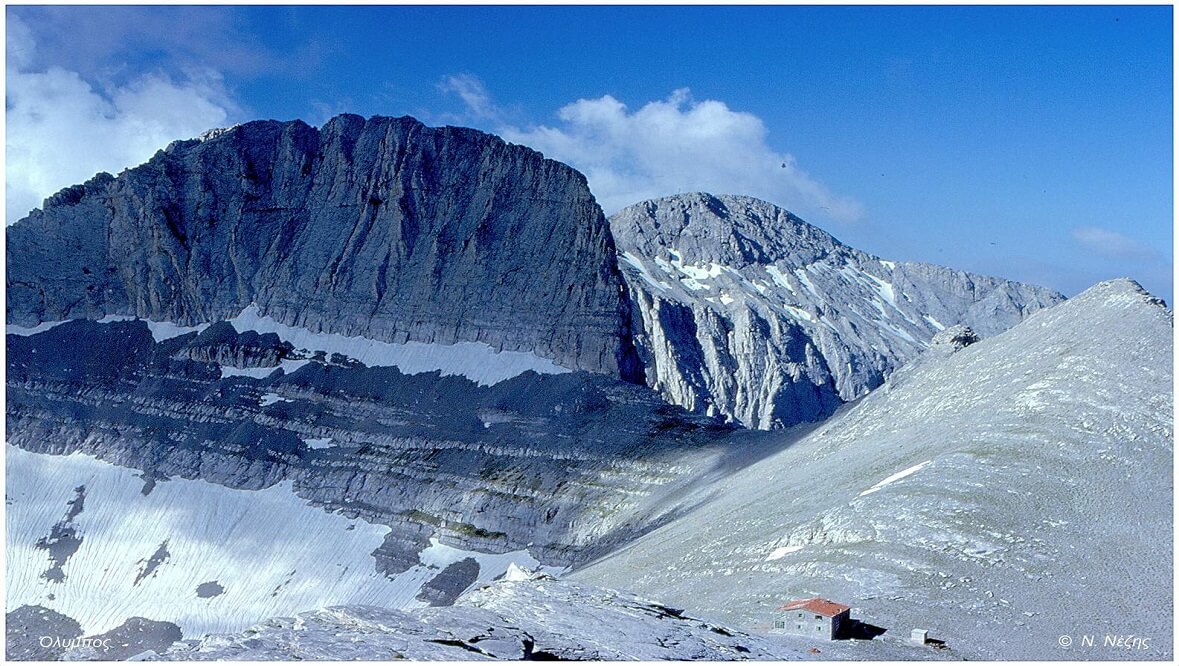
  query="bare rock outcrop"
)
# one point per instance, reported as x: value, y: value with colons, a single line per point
x: 752, y: 314
x: 382, y: 227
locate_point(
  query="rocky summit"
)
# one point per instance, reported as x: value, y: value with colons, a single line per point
x: 382, y: 228
x: 749, y: 313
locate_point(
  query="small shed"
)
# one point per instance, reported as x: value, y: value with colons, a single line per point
x: 919, y: 636
x: 815, y: 617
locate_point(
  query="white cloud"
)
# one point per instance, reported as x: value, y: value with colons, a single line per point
x: 61, y: 129
x: 1113, y: 244
x: 472, y: 92
x: 674, y: 145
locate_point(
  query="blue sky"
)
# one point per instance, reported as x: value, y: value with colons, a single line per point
x: 1033, y: 143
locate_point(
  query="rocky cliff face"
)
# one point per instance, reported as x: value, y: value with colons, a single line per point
x: 383, y: 228
x: 750, y: 313
x: 423, y: 454
x: 419, y: 485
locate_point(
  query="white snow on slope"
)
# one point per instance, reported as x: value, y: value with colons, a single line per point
x: 32, y: 330
x: 160, y: 330
x: 262, y: 373
x: 165, y: 330
x: 271, y: 552
x: 896, y: 477
x: 476, y: 361
x: 271, y: 398
x: 491, y: 565
x: 782, y: 551
x: 779, y: 277
x: 934, y: 322
x: 637, y: 264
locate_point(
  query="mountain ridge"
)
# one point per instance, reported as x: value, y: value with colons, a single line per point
x: 976, y: 493
x: 750, y: 313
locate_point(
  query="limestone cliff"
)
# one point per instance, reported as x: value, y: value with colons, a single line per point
x: 383, y: 227
x: 752, y: 314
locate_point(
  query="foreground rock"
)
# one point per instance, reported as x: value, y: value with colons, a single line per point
x: 532, y: 619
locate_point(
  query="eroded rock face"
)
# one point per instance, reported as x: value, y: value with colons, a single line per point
x: 557, y: 464
x: 752, y: 314
x: 382, y: 227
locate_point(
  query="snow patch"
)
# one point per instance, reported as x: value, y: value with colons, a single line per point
x: 799, y: 313
x: 32, y: 330
x: 476, y: 361
x: 274, y: 554
x: 934, y: 322
x: 516, y: 574
x: 491, y: 565
x: 262, y: 373
x: 806, y: 283
x: 271, y: 398
x: 779, y: 278
x: 166, y: 330
x: 896, y: 477
x: 781, y: 552
x: 160, y: 330
x: 638, y: 265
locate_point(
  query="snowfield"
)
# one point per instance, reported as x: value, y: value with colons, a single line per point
x: 272, y: 553
x: 476, y: 361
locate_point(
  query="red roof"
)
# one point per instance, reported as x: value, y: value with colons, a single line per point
x: 824, y: 607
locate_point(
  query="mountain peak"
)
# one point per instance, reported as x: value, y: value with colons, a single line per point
x: 726, y: 229
x: 1121, y: 292
x: 752, y: 313
x: 383, y: 228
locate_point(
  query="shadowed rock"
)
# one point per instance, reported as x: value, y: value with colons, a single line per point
x: 443, y: 589
x: 36, y: 633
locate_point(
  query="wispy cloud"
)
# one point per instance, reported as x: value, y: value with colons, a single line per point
x: 473, y: 94
x: 1113, y: 245
x: 63, y: 128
